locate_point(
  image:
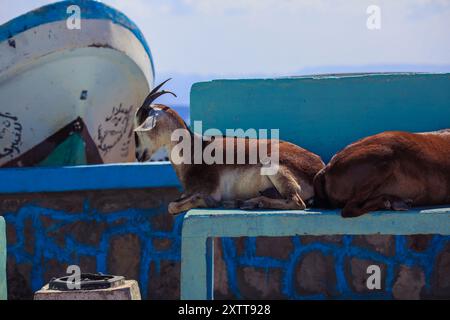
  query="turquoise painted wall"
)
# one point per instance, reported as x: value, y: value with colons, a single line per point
x: 325, y: 113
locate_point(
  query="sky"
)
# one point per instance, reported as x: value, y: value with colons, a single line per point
x: 200, y: 39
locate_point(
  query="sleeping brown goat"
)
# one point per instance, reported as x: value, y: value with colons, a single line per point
x: 388, y: 171
x: 232, y: 185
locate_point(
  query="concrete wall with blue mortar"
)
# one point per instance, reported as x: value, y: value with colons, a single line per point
x: 334, y: 267
x: 129, y: 232
x: 126, y: 232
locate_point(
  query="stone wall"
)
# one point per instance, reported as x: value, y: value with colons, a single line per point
x: 332, y: 267
x: 130, y: 233
x: 124, y: 232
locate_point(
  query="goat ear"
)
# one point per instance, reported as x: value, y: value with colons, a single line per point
x: 150, y: 122
x: 139, y: 129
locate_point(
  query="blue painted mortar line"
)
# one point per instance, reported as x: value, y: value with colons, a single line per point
x: 403, y: 256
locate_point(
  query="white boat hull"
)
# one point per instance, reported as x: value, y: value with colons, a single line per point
x: 51, y: 76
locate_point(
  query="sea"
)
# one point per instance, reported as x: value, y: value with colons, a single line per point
x: 183, y: 111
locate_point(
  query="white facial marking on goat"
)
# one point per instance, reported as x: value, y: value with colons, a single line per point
x: 151, y: 121
x: 149, y: 143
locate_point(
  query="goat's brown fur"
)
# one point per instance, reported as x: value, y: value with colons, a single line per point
x: 388, y: 171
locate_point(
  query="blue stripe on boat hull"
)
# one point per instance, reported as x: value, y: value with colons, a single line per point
x: 58, y: 11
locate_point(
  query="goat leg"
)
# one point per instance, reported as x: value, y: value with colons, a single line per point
x: 356, y: 208
x: 196, y: 200
x: 269, y: 203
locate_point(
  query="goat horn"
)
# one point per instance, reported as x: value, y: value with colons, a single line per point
x: 161, y: 93
x: 154, y: 94
x: 148, y: 101
x: 156, y: 89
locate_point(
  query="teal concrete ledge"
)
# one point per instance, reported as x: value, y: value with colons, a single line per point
x: 94, y: 177
x: 236, y: 223
x: 3, y: 292
x: 200, y: 227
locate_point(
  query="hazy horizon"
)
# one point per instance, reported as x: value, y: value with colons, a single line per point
x: 201, y: 40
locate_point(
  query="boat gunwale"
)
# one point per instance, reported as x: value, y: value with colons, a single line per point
x: 91, y: 10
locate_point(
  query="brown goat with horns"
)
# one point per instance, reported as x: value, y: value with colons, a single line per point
x: 232, y: 185
x: 388, y: 171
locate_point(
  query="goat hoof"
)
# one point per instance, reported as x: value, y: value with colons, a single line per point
x: 401, y: 205
x: 345, y: 215
x: 349, y: 214
x: 211, y: 203
x: 230, y: 204
x: 249, y: 205
x: 173, y: 209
